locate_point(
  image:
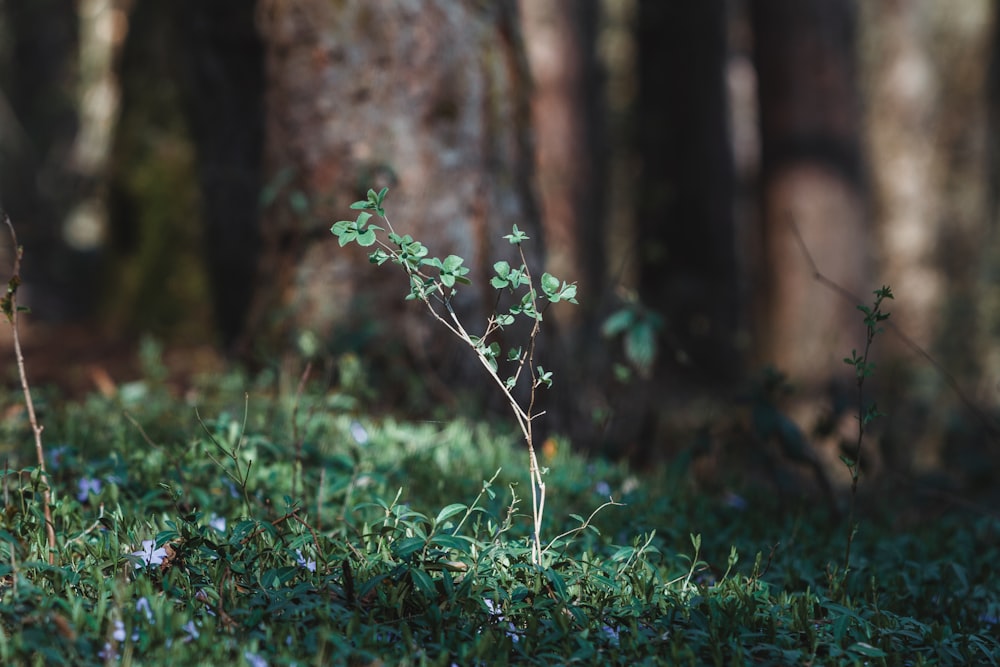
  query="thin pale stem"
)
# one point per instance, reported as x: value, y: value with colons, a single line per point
x: 522, y: 416
x: 36, y: 428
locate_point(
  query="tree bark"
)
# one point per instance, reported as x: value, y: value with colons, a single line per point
x: 429, y: 98
x: 688, y: 268
x: 927, y: 83
x: 561, y: 39
x: 222, y: 72
x: 812, y: 187
x: 39, y: 184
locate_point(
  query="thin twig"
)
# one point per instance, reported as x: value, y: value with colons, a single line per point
x: 297, y: 467
x: 989, y: 424
x: 11, y: 310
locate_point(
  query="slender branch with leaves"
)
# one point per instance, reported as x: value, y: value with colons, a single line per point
x: 863, y: 369
x: 8, y: 304
x: 434, y: 281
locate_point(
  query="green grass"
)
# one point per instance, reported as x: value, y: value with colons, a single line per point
x: 302, y: 531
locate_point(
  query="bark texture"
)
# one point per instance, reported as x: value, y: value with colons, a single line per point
x: 812, y: 186
x: 560, y: 38
x: 428, y: 97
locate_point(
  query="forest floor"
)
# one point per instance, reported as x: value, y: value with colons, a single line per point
x: 205, y: 516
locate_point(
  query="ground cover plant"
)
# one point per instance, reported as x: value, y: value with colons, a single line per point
x: 236, y: 522
x: 405, y: 545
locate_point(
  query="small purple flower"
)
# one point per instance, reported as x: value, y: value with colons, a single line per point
x: 191, y: 630
x: 142, y: 604
x: 602, y: 488
x: 87, y: 486
x: 107, y: 653
x: 359, y: 433
x: 149, y: 554
x: 302, y: 562
x: 494, y: 609
x: 56, y: 454
x: 119, y: 633
x: 735, y: 501
x: 218, y: 523
x: 254, y: 660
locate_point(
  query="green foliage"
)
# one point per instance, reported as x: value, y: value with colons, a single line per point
x: 863, y: 369
x: 639, y: 328
x: 433, y: 281
x: 404, y: 547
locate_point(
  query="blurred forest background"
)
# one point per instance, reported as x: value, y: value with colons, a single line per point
x: 173, y: 169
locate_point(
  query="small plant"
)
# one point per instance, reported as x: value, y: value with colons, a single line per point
x: 434, y: 281
x: 11, y: 311
x: 863, y: 368
x: 639, y: 327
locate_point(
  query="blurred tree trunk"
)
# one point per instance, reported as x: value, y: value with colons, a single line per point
x: 155, y: 273
x: 813, y: 182
x: 925, y: 74
x: 687, y: 264
x: 39, y: 182
x: 561, y: 40
x: 429, y: 98
x: 222, y: 75
x: 927, y: 82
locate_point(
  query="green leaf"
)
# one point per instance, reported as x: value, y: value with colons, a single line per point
x: 501, y: 279
x: 366, y: 238
x: 516, y: 236
x: 867, y: 650
x: 640, y: 345
x: 550, y: 284
x: 298, y: 201
x: 363, y: 218
x: 423, y: 582
x: 453, y: 263
x: 450, y: 511
x: 341, y: 226
x: 558, y: 583
x: 556, y: 292
x: 456, y: 542
x: 407, y: 546
x: 618, y: 322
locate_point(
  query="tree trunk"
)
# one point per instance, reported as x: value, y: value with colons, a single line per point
x: 812, y: 187
x: 39, y: 181
x: 561, y: 40
x: 685, y: 192
x: 222, y: 70
x: 927, y: 86
x: 570, y: 157
x: 428, y: 98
